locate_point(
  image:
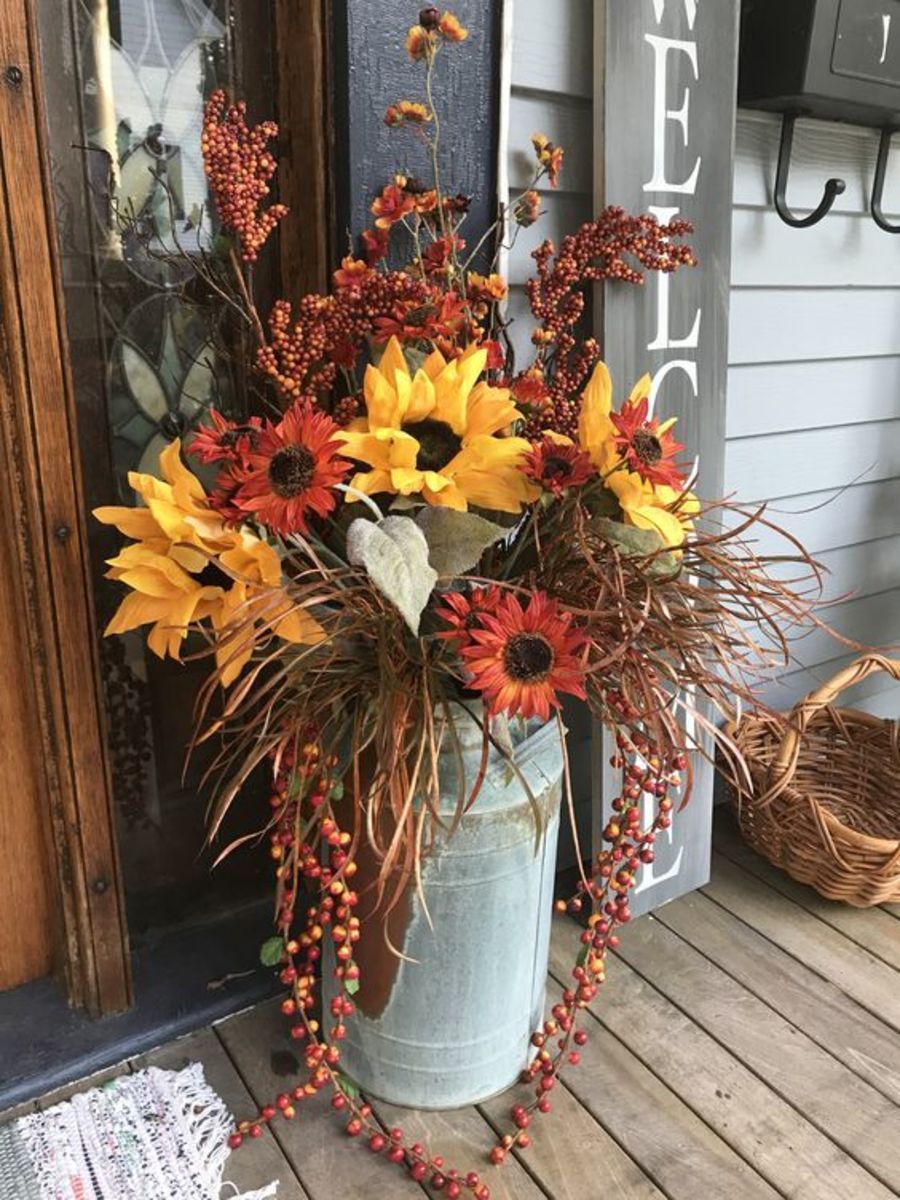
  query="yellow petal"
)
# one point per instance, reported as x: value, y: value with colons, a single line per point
x: 393, y: 362
x: 151, y: 581
x: 371, y: 483
x: 434, y: 364
x: 382, y: 402
x: 301, y: 628
x: 149, y: 487
x: 192, y: 560
x: 631, y: 490
x: 178, y: 474
x: 135, y: 610
x: 447, y: 497
x: 641, y: 388
x: 421, y: 401
x: 594, y: 426
x: 453, y: 387
x: 487, y: 473
x: 490, y: 410
x: 407, y: 480
x: 665, y: 523
x: 137, y: 523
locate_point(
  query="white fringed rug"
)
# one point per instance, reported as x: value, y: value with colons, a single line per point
x: 154, y: 1135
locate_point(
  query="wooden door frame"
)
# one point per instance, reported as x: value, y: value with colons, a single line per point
x: 303, y: 55
x: 37, y: 424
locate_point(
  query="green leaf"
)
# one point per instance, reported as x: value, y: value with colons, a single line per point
x: 347, y: 1086
x: 640, y: 543
x: 337, y: 790
x: 456, y: 540
x: 351, y: 986
x: 582, y: 957
x: 270, y: 951
x: 395, y: 556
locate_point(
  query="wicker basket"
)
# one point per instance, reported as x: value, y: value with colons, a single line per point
x: 825, y: 800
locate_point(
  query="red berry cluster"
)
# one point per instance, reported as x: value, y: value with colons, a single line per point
x: 239, y: 167
x: 308, y: 346
x: 556, y: 295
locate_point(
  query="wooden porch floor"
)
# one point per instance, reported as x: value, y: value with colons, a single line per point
x: 746, y: 1045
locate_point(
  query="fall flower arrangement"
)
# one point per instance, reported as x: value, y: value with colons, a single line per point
x: 409, y: 524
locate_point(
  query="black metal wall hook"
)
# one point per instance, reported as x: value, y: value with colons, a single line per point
x: 833, y: 187
x: 884, y: 149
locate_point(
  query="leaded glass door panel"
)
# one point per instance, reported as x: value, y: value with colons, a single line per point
x: 126, y: 81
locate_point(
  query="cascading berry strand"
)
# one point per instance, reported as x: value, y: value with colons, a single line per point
x: 306, y: 788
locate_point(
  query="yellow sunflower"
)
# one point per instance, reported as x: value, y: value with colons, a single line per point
x: 659, y: 507
x: 644, y: 504
x: 438, y: 434
x: 179, y: 537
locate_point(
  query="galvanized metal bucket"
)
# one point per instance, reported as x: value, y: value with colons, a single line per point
x: 452, y: 1027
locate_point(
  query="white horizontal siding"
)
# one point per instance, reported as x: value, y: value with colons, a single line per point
x: 813, y: 420
x: 796, y: 324
x: 780, y: 397
x: 553, y: 49
x: 834, y: 518
x: 792, y: 464
x: 552, y: 86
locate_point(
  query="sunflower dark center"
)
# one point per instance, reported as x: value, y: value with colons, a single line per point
x: 647, y: 447
x: 291, y: 471
x: 556, y: 467
x: 527, y: 657
x: 438, y: 444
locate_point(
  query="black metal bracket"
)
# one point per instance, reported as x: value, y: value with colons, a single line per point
x: 833, y: 187
x: 884, y: 149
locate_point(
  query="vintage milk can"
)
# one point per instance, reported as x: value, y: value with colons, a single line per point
x: 452, y: 1027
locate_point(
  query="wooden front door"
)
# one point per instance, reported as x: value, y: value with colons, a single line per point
x: 60, y: 902
x: 103, y: 360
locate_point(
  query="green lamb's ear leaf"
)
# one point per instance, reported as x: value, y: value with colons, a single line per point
x: 394, y: 554
x: 456, y: 540
x: 639, y: 543
x: 270, y: 951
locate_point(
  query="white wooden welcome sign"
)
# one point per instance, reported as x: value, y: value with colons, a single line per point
x: 664, y: 143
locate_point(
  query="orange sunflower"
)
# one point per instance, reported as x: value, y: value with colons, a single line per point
x: 557, y: 466
x: 464, y: 609
x: 520, y: 659
x: 291, y: 471
x: 646, y: 446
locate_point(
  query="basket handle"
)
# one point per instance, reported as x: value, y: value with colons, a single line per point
x: 785, y: 763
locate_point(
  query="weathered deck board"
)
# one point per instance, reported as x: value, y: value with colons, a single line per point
x: 569, y: 1151
x: 747, y: 1114
x: 821, y: 1010
x: 327, y: 1165
x: 872, y: 928
x: 863, y: 977
x: 676, y: 1149
x: 851, y: 1112
x: 259, y: 1161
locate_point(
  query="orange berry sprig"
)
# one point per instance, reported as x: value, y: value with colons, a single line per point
x: 239, y: 167
x: 613, y: 875
x: 556, y: 295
